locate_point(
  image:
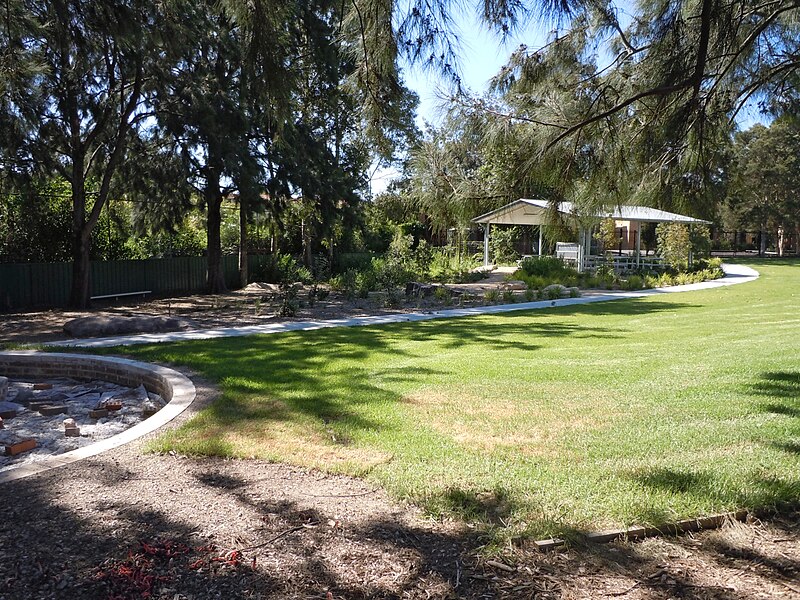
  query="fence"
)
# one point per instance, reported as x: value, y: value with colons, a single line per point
x: 47, y: 285
x: 28, y: 285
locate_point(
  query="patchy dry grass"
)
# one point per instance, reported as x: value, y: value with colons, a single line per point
x: 536, y: 423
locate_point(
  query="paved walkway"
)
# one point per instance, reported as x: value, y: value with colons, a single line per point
x: 733, y: 274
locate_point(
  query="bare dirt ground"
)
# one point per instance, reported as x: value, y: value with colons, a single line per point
x: 129, y: 525
x: 257, y: 304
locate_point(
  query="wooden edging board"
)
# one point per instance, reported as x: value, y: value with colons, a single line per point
x: 636, y: 532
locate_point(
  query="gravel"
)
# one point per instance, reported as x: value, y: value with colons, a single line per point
x: 78, y: 399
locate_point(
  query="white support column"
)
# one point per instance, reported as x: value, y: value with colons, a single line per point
x: 638, y: 244
x: 486, y: 245
x: 581, y: 243
x: 691, y: 258
x: 540, y: 240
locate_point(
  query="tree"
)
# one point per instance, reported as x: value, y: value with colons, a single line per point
x: 642, y: 111
x: 766, y: 179
x: 72, y: 91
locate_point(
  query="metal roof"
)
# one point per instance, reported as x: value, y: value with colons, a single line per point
x: 527, y: 211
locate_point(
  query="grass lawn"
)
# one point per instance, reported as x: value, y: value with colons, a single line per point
x: 532, y: 423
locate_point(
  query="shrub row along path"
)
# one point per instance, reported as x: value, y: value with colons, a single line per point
x: 734, y: 274
x: 131, y: 525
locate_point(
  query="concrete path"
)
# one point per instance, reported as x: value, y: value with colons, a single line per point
x: 733, y: 274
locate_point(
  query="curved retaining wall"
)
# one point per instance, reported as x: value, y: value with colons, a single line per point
x: 174, y: 387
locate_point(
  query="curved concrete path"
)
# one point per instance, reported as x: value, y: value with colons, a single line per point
x: 733, y: 274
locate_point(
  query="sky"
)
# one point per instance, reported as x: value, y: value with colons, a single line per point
x: 482, y: 56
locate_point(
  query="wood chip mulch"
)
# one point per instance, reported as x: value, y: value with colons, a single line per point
x: 127, y: 525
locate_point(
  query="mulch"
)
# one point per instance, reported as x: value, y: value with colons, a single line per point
x: 129, y: 525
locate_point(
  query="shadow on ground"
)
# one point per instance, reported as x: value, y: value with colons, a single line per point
x: 114, y: 543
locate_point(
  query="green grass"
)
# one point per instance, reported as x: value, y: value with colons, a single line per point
x: 531, y: 423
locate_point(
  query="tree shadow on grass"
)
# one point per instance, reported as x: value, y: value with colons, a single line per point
x: 705, y: 487
x: 301, y: 549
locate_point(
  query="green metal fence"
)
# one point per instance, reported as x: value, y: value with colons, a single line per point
x: 45, y: 285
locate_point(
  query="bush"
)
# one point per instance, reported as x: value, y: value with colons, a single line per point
x: 530, y: 295
x: 508, y: 297
x: 634, y: 282
x: 346, y: 283
x: 366, y: 280
x: 553, y: 292
x: 290, y: 273
x: 448, y: 266
x: 545, y: 266
x: 491, y: 295
x: 503, y: 244
x: 674, y: 245
x: 442, y: 294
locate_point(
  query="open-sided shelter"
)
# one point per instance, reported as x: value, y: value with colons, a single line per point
x: 535, y: 212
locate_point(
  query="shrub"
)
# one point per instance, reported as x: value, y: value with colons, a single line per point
x: 674, y: 244
x: 345, y: 283
x: 387, y: 274
x: 502, y: 244
x: 634, y: 282
x: 449, y: 266
x: 366, y: 280
x: 491, y: 295
x: 508, y: 297
x: 530, y: 295
x: 545, y: 266
x: 442, y: 294
x: 553, y: 292
x: 607, y: 234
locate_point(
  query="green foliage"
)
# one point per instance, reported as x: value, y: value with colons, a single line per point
x: 448, y: 265
x: 674, y: 244
x: 353, y: 260
x: 503, y: 245
x: 491, y: 296
x: 346, y: 283
x: 290, y: 273
x: 700, y: 241
x: 508, y: 297
x: 607, y: 234
x: 553, y: 291
x: 637, y: 411
x: 633, y: 282
x: 529, y: 295
x: 545, y: 266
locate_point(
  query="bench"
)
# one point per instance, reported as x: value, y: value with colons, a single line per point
x: 121, y: 294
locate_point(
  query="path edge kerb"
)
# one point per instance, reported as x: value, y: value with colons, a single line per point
x: 176, y: 388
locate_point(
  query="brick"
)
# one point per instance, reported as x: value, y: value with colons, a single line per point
x: 43, y: 386
x: 98, y: 413
x: 21, y: 446
x: 8, y: 414
x: 53, y: 409
x: 72, y: 431
x: 112, y: 405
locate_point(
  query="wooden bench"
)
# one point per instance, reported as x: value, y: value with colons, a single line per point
x: 121, y: 294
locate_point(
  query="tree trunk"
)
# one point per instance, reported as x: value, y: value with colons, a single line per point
x: 781, y: 240
x: 797, y: 241
x: 79, y: 294
x: 306, y: 234
x: 216, y: 276
x: 762, y: 241
x: 243, y: 274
